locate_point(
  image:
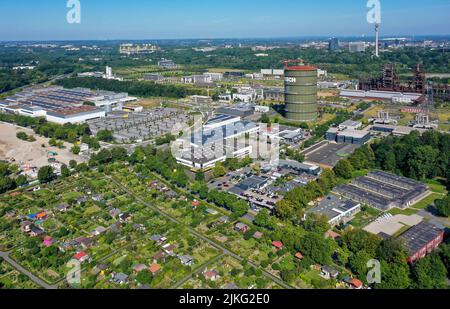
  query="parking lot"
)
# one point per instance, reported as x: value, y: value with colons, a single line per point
x: 329, y: 155
x: 391, y: 225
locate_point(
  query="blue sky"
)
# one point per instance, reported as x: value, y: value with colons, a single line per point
x: 169, y: 19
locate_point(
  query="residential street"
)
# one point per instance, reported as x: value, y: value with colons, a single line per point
x: 5, y: 256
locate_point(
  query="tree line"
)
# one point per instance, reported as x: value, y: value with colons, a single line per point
x: 136, y: 88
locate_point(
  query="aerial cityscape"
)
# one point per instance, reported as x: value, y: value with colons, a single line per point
x: 244, y: 152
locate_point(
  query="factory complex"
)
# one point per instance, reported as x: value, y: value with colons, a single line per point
x: 221, y: 137
x: 63, y: 106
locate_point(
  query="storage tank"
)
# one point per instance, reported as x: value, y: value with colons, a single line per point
x: 300, y: 91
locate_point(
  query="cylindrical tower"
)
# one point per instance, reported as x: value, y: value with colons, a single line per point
x: 300, y: 91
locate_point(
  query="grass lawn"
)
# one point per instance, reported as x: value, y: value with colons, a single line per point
x: 406, y: 212
x: 427, y: 201
x: 436, y: 186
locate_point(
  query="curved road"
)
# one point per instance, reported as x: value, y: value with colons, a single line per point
x: 43, y: 284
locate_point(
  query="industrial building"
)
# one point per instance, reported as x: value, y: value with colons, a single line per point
x: 384, y: 191
x: 348, y: 136
x: 240, y: 110
x: 65, y: 105
x: 337, y: 210
x: 421, y: 240
x: 222, y: 137
x: 301, y: 167
x: 357, y: 47
x: 391, y: 96
x: 300, y: 91
x: 167, y: 64
x: 137, y: 49
x: 274, y: 94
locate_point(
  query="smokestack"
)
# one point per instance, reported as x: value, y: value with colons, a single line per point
x: 377, y: 39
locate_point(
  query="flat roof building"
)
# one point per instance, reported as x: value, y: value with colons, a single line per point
x: 336, y: 209
x: 421, y: 240
x: 348, y: 136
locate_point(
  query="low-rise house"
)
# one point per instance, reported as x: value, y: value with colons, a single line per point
x: 212, y: 211
x: 353, y: 283
x: 186, y: 260
x: 124, y: 217
x: 81, y: 200
x: 48, y: 241
x: 36, y: 231
x: 81, y: 256
x: 258, y: 235
x: 332, y: 235
x: 84, y: 242
x: 119, y: 279
x: 168, y: 248
x: 278, y: 245
x: 114, y: 212
x: 139, y: 227
x: 231, y: 286
x: 356, y: 284
x: 195, y: 204
x: 97, y: 198
x: 299, y: 256
x: 140, y: 267
x: 211, y: 275
x: 159, y: 239
x: 25, y: 226
x: 241, y: 227
x: 41, y: 216
x: 62, y: 207
x: 159, y: 257
x: 224, y: 219
x: 154, y: 269
x: 329, y: 272
x: 98, y: 231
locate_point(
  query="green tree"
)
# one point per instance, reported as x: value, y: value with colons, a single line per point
x: 105, y: 136
x: 219, y: 170
x: 344, y: 169
x: 21, y: 180
x: 73, y: 164
x: 22, y: 135
x: 443, y: 206
x: 75, y: 150
x: 46, y: 174
x: 317, y: 248
x: 65, y: 172
x: 430, y: 273
x: 358, y: 264
x: 144, y: 277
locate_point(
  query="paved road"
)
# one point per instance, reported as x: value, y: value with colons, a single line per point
x: 5, y: 256
x: 197, y: 271
x: 202, y: 237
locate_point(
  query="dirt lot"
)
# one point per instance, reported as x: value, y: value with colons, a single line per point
x: 23, y: 152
